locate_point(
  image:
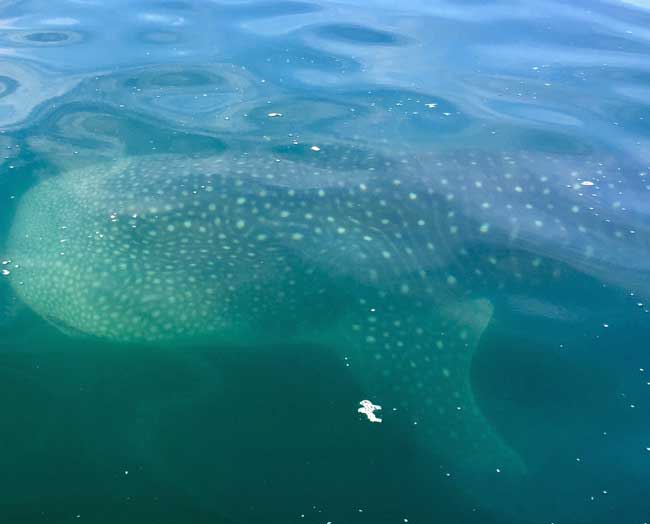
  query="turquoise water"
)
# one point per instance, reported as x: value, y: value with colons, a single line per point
x: 224, y: 225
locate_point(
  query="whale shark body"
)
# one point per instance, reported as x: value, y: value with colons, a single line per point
x: 377, y: 258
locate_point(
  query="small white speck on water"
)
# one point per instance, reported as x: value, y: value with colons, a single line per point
x: 315, y: 148
x: 6, y: 272
x: 586, y: 183
x: 273, y: 115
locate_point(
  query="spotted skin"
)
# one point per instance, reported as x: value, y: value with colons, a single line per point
x: 141, y: 252
x: 373, y: 257
x: 422, y: 355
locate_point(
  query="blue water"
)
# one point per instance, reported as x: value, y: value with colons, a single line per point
x: 463, y: 191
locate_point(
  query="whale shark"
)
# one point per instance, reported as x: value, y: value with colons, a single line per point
x: 391, y: 261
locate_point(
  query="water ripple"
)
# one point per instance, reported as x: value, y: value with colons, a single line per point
x: 360, y: 35
x: 41, y: 38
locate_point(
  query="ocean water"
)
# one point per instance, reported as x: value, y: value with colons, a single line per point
x: 226, y: 224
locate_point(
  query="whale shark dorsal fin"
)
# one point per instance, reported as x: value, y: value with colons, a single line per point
x: 414, y: 359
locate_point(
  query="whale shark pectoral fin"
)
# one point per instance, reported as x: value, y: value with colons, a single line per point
x: 479, y: 459
x: 414, y: 359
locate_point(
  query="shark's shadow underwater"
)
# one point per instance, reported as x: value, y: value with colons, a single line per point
x: 369, y: 255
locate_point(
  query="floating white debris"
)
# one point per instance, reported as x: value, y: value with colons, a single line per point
x: 586, y: 183
x: 432, y: 105
x: 368, y: 409
x: 274, y: 115
x: 315, y: 148
x: 6, y: 272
